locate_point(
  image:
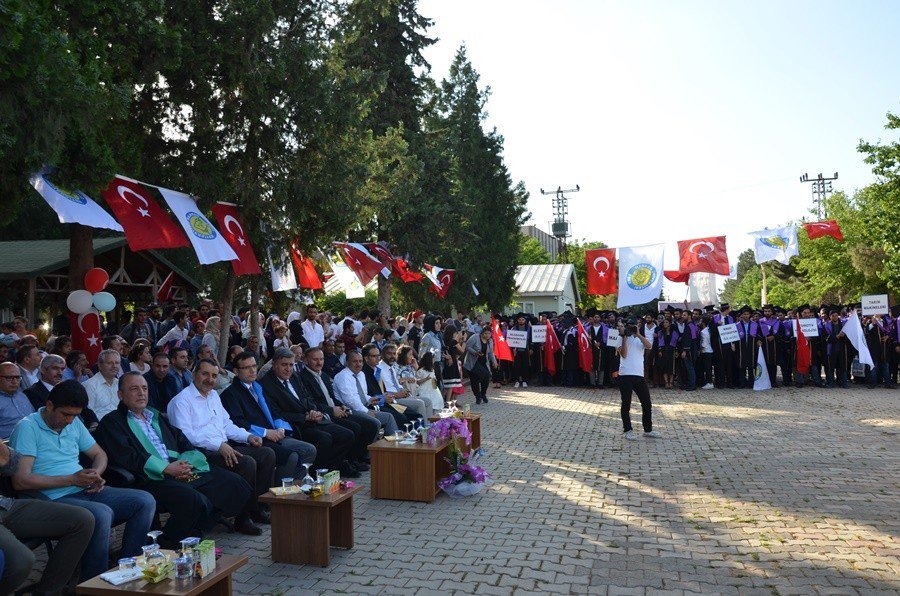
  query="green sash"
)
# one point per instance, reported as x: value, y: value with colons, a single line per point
x: 155, y: 465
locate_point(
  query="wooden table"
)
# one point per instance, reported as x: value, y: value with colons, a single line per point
x: 474, y: 419
x: 305, y: 528
x: 218, y: 583
x: 408, y: 472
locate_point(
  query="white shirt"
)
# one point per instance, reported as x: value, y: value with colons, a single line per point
x: 705, y: 344
x: 390, y: 377
x: 633, y: 363
x: 103, y: 397
x: 347, y: 390
x: 313, y: 332
x: 203, y: 420
x: 176, y: 333
x: 357, y: 325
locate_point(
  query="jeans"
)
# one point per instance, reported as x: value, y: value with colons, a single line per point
x: 111, y: 507
x: 881, y: 373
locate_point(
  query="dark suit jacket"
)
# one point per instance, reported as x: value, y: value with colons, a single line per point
x: 241, y: 405
x: 160, y: 393
x: 283, y: 404
x: 315, y: 390
x: 37, y: 394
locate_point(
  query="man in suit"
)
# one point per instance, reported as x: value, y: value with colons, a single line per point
x: 289, y: 399
x: 28, y: 357
x: 375, y: 391
x: 51, y: 372
x: 245, y: 403
x: 321, y: 387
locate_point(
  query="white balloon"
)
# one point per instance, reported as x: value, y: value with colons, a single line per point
x: 80, y: 301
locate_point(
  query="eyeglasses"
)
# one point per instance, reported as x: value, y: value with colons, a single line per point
x: 11, y: 377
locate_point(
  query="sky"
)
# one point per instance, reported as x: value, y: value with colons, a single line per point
x: 678, y: 119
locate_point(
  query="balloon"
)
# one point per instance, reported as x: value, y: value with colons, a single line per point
x: 95, y: 280
x: 80, y: 301
x: 104, y: 301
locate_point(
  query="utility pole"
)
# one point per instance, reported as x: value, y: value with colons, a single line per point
x: 821, y: 188
x: 560, y: 227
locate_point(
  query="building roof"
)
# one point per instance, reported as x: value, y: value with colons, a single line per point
x: 544, y: 280
x: 24, y: 259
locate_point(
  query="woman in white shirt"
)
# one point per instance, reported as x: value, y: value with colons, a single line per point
x: 631, y: 379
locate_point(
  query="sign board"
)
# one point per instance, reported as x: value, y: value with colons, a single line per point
x: 516, y: 338
x: 810, y: 327
x: 729, y: 333
x: 613, y: 340
x: 876, y: 304
x: 539, y: 334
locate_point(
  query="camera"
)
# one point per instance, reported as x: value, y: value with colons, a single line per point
x: 631, y: 327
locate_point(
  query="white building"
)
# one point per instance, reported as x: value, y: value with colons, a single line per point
x: 545, y: 288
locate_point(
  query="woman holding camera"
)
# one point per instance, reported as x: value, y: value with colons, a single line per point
x: 631, y: 379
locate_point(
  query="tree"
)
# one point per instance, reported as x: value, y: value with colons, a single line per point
x: 532, y: 252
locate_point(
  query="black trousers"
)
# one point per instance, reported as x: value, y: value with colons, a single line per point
x: 636, y: 384
x: 364, y: 429
x: 333, y: 443
x: 480, y: 377
x: 193, y: 505
x: 256, y: 467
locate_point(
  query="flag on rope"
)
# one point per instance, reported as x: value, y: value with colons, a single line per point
x: 380, y: 251
x: 361, y: 261
x: 407, y: 274
x: 307, y: 277
x: 441, y: 279
x: 348, y: 280
x: 74, y: 207
x: 165, y: 292
x: 206, y: 240
x: 775, y: 245
x: 232, y: 228
x: 283, y: 278
x: 145, y: 223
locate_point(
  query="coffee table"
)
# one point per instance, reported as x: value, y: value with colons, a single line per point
x: 218, y: 583
x: 474, y: 419
x: 408, y: 472
x: 305, y: 528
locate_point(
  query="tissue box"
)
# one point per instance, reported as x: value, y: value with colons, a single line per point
x: 205, y: 558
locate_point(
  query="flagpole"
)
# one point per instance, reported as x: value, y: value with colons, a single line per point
x: 764, y: 290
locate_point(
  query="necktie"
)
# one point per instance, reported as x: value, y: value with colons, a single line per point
x: 394, y: 378
x: 362, y: 392
x: 290, y: 389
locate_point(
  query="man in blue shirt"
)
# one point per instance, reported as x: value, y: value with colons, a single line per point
x: 14, y: 404
x: 49, y: 443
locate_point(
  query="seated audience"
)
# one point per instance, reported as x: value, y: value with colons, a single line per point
x: 375, y: 390
x: 103, y: 387
x: 389, y: 374
x: 14, y: 404
x: 77, y: 367
x: 349, y: 388
x: 28, y: 357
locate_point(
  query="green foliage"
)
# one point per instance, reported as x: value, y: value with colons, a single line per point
x: 531, y: 252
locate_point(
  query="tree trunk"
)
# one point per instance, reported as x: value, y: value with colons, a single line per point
x: 384, y: 295
x: 227, y: 309
x: 81, y: 254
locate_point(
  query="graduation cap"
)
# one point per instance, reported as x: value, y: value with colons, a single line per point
x: 745, y: 309
x: 670, y: 309
x: 724, y: 306
x: 710, y: 309
x: 592, y: 311
x: 895, y: 310
x: 778, y: 310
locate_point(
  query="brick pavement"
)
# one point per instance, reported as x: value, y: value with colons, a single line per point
x: 787, y: 492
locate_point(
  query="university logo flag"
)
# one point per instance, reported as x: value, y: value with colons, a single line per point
x: 551, y: 347
x: 640, y: 274
x: 86, y: 334
x: 804, y: 356
x: 854, y: 332
x: 703, y: 255
x: 775, y: 245
x: 232, y: 228
x: 761, y: 379
x: 818, y: 229
x: 361, y: 261
x: 585, y: 352
x: 601, y: 271
x: 501, y: 348
x: 348, y: 280
x: 283, y: 278
x: 164, y: 294
x: 307, y: 278
x: 74, y: 207
x: 441, y: 279
x: 206, y: 240
x: 145, y: 223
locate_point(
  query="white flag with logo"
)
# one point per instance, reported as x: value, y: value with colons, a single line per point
x: 775, y: 245
x: 208, y: 243
x: 283, y: 277
x: 74, y: 207
x: 761, y: 379
x: 640, y: 274
x: 854, y: 332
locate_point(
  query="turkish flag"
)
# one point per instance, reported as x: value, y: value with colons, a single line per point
x: 146, y: 225
x: 383, y: 254
x: 164, y: 294
x: 306, y: 273
x: 703, y: 254
x: 803, y: 353
x: 585, y: 352
x: 441, y: 279
x: 551, y: 347
x: 361, y: 261
x: 86, y: 334
x: 601, y: 271
x: 501, y: 348
x: 824, y: 228
x: 405, y: 273
x: 679, y: 277
x: 232, y: 229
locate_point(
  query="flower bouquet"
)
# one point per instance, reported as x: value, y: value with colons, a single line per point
x: 466, y: 477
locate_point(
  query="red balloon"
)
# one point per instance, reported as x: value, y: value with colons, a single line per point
x: 95, y: 280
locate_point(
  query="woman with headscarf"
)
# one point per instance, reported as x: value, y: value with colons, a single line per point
x: 211, y: 336
x: 433, y: 341
x: 294, y: 321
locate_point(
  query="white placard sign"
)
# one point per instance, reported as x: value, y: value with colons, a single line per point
x: 516, y: 338
x: 810, y: 327
x: 613, y: 340
x: 539, y: 334
x: 877, y: 304
x: 728, y: 333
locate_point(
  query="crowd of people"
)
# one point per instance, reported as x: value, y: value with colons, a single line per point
x: 179, y: 432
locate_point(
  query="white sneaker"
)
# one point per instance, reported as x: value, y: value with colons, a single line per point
x: 708, y: 386
x: 630, y: 436
x: 524, y: 384
x: 517, y: 384
x: 653, y: 435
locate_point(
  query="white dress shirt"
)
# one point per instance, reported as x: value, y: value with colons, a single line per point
x: 203, y: 420
x: 390, y: 377
x: 176, y: 333
x: 313, y: 332
x: 103, y: 397
x: 347, y: 387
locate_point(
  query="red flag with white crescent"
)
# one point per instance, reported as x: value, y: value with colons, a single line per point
x: 585, y: 352
x: 361, y: 262
x: 703, y: 255
x: 441, y: 279
x: 384, y: 256
x: 233, y: 232
x: 804, y: 354
x: 86, y: 334
x: 145, y: 223
x: 818, y: 229
x: 164, y: 294
x: 551, y: 346
x: 502, y: 350
x: 407, y: 274
x: 601, y: 271
x: 307, y: 277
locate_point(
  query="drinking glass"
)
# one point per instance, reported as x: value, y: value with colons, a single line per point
x: 184, y: 567
x: 308, y: 479
x: 407, y: 425
x: 320, y: 475
x: 398, y: 435
x: 287, y: 482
